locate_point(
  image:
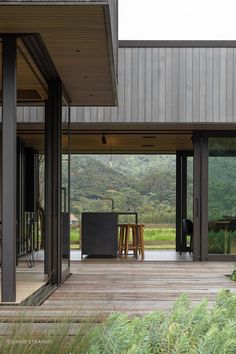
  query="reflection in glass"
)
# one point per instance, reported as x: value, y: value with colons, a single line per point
x: 65, y: 191
x: 222, y: 196
x: 190, y: 187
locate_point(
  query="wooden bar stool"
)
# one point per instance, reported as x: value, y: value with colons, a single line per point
x: 130, y: 245
x: 122, y: 238
x: 139, y: 237
x: 124, y: 244
x: 131, y: 238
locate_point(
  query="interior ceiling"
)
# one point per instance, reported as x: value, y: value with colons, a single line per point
x: 31, y: 86
x: 77, y: 40
x: 117, y: 142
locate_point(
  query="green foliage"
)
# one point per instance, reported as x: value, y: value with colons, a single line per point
x: 160, y: 234
x: 222, y: 187
x: 145, y: 183
x: 74, y: 236
x: 154, y: 238
x: 233, y: 276
x: 216, y: 242
x: 150, y: 234
x: 184, y: 329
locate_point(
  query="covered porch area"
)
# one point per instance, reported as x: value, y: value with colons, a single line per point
x: 187, y: 146
x: 40, y: 71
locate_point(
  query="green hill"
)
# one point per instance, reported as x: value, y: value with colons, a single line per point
x: 145, y: 183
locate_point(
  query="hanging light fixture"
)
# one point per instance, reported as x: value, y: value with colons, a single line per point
x: 104, y: 140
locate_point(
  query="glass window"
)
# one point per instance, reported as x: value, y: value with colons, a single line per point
x: 65, y: 190
x: 222, y: 196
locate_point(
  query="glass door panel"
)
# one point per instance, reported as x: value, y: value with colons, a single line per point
x: 65, y: 191
x: 190, y: 187
x: 222, y: 195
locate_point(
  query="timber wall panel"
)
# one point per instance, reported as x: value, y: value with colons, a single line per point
x: 174, y: 85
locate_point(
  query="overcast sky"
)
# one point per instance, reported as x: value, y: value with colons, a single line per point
x: 177, y: 19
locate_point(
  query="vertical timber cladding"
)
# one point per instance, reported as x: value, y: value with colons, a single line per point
x: 53, y: 128
x: 8, y: 274
x: 171, y: 85
x: 161, y: 85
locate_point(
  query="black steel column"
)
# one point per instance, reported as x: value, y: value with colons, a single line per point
x: 204, y: 198
x: 181, y: 197
x: 56, y: 181
x: 8, y: 274
x: 178, y: 202
x: 53, y: 181
x: 20, y: 192
x: 200, y: 197
x: 48, y: 187
x: 197, y: 174
x: 184, y: 186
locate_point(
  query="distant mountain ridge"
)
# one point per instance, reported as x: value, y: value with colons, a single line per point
x: 145, y: 183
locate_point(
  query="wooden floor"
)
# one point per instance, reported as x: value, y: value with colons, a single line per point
x: 160, y: 255
x: 28, y: 281
x: 138, y: 288
x: 97, y: 288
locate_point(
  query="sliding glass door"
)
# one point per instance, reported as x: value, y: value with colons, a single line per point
x: 222, y: 196
x: 65, y: 192
x: 214, y: 206
x: 184, y: 197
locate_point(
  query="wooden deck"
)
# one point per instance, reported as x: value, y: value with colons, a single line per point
x: 97, y: 288
x: 138, y: 287
x: 28, y: 281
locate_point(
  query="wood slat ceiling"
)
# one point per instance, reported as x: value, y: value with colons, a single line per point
x: 117, y: 143
x: 31, y: 86
x: 77, y: 40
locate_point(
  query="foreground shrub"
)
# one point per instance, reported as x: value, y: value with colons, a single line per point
x: 184, y: 329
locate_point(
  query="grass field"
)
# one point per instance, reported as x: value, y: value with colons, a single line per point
x: 154, y: 238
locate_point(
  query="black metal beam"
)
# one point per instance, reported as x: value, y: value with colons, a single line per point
x: 41, y: 57
x: 204, y: 198
x: 197, y: 197
x: 8, y: 274
x: 48, y: 188
x: 20, y: 187
x: 181, y: 196
x: 56, y: 190
x: 184, y: 186
x: 69, y: 175
x: 53, y: 124
x: 178, y: 202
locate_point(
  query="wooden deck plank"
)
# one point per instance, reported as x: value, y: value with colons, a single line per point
x: 27, y: 283
x: 139, y: 287
x: 95, y: 289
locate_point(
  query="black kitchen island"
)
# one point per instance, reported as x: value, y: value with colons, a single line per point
x: 99, y: 236
x: 99, y: 233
